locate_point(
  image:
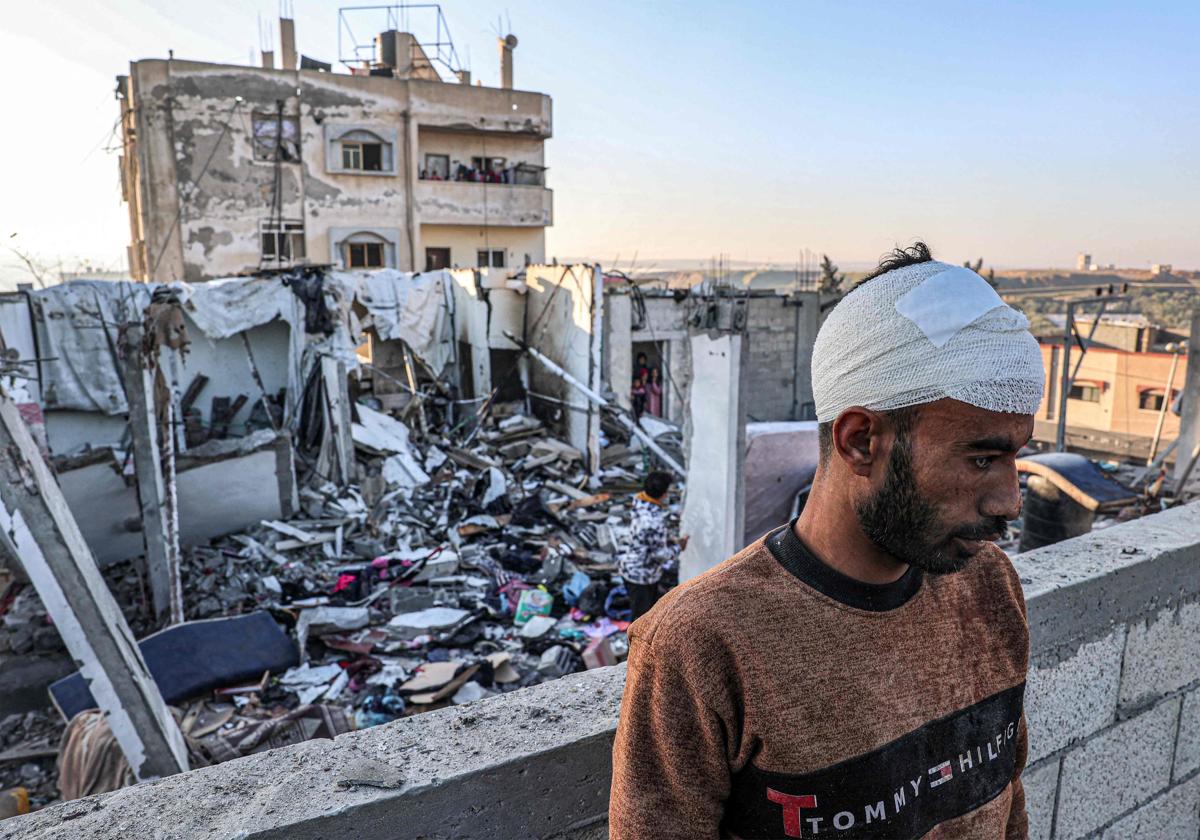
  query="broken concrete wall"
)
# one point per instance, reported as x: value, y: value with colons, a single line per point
x: 226, y: 365
x: 189, y: 139
x: 1189, y: 431
x: 471, y: 314
x: 648, y: 316
x: 780, y: 369
x: 563, y: 319
x: 224, y: 487
x: 1113, y: 704
x: 617, y: 366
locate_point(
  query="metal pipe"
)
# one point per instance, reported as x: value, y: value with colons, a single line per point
x: 1060, y: 438
x: 1162, y: 409
x: 633, y: 428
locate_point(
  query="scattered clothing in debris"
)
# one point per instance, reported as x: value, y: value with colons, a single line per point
x: 90, y: 760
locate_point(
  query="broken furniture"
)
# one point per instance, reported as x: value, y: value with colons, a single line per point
x: 194, y: 658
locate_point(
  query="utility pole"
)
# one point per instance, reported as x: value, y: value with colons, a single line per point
x: 1070, y: 334
x: 38, y: 530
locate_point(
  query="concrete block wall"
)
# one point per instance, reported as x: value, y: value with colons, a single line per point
x: 1113, y: 707
x: 771, y: 364
x: 1113, y: 693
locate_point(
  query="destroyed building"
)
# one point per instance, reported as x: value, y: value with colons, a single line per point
x: 402, y: 163
x: 350, y: 453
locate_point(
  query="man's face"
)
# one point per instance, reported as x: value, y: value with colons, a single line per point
x: 950, y: 486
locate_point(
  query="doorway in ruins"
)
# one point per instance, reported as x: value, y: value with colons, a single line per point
x: 657, y: 358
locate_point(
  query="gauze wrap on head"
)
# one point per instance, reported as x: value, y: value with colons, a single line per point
x: 920, y: 333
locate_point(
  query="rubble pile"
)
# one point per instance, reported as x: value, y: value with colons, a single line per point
x: 454, y: 570
x: 463, y: 563
x: 28, y: 748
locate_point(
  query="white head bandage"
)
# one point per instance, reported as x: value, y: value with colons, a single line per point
x: 920, y: 333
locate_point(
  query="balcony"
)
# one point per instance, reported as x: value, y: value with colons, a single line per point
x: 477, y: 203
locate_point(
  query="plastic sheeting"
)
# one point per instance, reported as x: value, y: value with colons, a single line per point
x: 411, y: 307
x: 227, y: 307
x: 78, y: 324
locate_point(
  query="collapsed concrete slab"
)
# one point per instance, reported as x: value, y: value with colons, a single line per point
x: 40, y: 535
x: 224, y: 486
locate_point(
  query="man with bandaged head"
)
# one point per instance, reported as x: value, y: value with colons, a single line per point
x: 859, y: 672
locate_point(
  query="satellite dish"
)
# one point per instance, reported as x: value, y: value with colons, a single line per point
x: 510, y: 41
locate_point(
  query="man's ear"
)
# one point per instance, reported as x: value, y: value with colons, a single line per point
x: 858, y: 439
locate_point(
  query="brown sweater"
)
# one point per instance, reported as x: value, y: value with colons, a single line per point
x: 773, y: 696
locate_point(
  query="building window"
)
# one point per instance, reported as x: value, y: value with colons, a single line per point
x: 437, y: 167
x: 436, y: 258
x: 364, y: 255
x: 365, y: 157
x: 497, y: 260
x: 282, y: 241
x: 1151, y: 399
x: 362, y: 151
x: 276, y: 137
x: 1085, y: 393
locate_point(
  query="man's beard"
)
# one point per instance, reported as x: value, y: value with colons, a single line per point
x: 899, y: 520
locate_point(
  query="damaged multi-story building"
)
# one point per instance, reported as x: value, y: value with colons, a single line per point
x: 402, y: 163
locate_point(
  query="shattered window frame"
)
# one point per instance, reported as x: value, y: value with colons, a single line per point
x: 282, y: 241
x: 266, y: 141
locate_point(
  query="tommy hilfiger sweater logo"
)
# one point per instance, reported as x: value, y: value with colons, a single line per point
x: 970, y: 757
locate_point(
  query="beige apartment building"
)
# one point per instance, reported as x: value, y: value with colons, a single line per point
x: 1115, y: 401
x: 232, y: 169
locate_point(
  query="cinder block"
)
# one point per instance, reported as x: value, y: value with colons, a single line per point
x: 1041, y: 785
x: 1187, y: 748
x: 1175, y: 815
x: 1162, y: 655
x: 1116, y: 771
x: 1074, y: 697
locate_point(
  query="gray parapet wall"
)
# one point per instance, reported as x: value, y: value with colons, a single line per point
x: 1113, y: 707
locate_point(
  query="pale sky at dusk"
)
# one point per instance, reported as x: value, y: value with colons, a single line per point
x: 1019, y: 132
